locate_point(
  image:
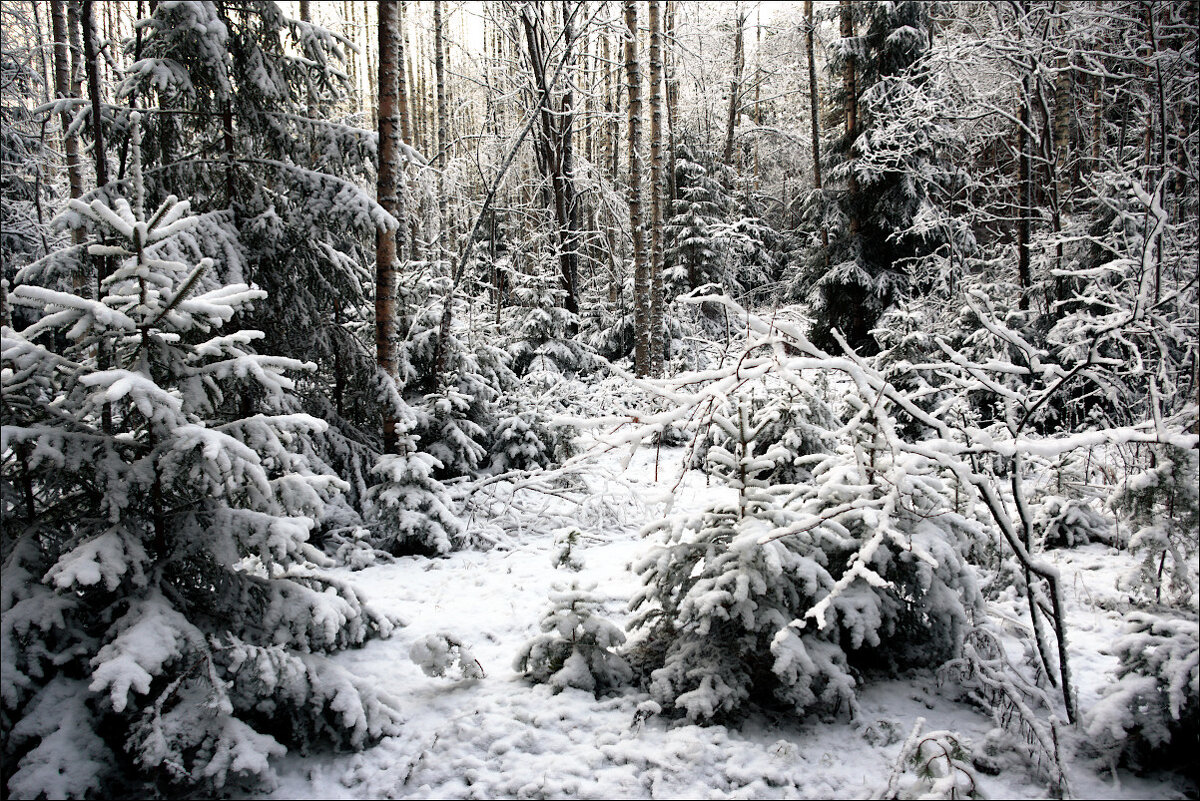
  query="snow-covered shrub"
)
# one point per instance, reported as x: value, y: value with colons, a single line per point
x: 161, y: 598
x: 544, y: 341
x: 721, y: 591
x: 932, y: 765
x: 777, y: 594
x: 564, y: 555
x: 1150, y: 717
x: 352, y: 547
x: 1163, y: 502
x: 411, y: 511
x: 443, y: 654
x: 1065, y: 523
x: 522, y: 441
x: 576, y: 648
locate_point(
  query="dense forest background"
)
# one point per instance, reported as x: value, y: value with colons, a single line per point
x: 286, y: 286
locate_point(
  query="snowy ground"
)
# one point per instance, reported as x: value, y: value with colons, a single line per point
x: 501, y: 737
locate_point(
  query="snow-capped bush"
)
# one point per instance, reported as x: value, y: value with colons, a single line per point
x: 576, y: 648
x: 443, y: 654
x: 1163, y: 503
x: 564, y: 555
x: 411, y: 511
x: 775, y: 595
x: 933, y: 765
x: 1066, y: 523
x: 1150, y: 717
x: 522, y: 441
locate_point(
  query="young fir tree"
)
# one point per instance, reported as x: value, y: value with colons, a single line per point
x: 862, y: 270
x: 693, y: 224
x: 723, y: 588
x: 276, y: 178
x: 777, y: 594
x: 164, y: 622
x: 577, y: 645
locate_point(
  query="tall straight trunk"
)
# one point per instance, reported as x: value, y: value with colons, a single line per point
x: 389, y: 197
x: 641, y: 271
x: 406, y: 126
x: 63, y: 89
x: 610, y: 161
x: 850, y: 90
x: 91, y: 65
x: 566, y: 177
x: 656, y: 193
x: 814, y: 104
x: 1024, y: 188
x: 553, y: 147
x: 735, y: 86
x: 757, y: 93
x: 443, y: 137
x: 1062, y: 131
x: 672, y: 102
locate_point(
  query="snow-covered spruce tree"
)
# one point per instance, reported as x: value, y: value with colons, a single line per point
x: 722, y: 589
x: 544, y: 341
x: 1162, y: 503
x: 868, y: 205
x: 906, y: 593
x: 796, y: 420
x: 1150, y: 717
x: 692, y: 225
x: 864, y: 566
x: 454, y: 408
x: 577, y: 647
x: 411, y: 512
x: 277, y: 182
x: 164, y: 623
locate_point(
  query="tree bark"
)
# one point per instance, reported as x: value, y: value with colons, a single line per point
x: 850, y: 101
x: 641, y: 272
x: 553, y: 146
x: 735, y: 86
x: 389, y: 197
x: 672, y: 102
x: 814, y: 102
x: 610, y: 162
x: 63, y: 89
x: 1024, y: 278
x: 443, y: 136
x: 657, y: 345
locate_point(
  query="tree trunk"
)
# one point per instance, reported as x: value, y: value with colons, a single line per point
x: 814, y: 102
x: 610, y: 162
x: 641, y: 272
x: 553, y: 147
x: 735, y: 86
x: 672, y: 103
x: 63, y: 89
x: 91, y: 64
x: 850, y: 90
x: 657, y: 344
x: 389, y: 197
x: 443, y: 136
x: 757, y: 94
x: 1024, y: 277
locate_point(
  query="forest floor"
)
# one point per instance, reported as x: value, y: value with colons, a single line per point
x: 503, y: 737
